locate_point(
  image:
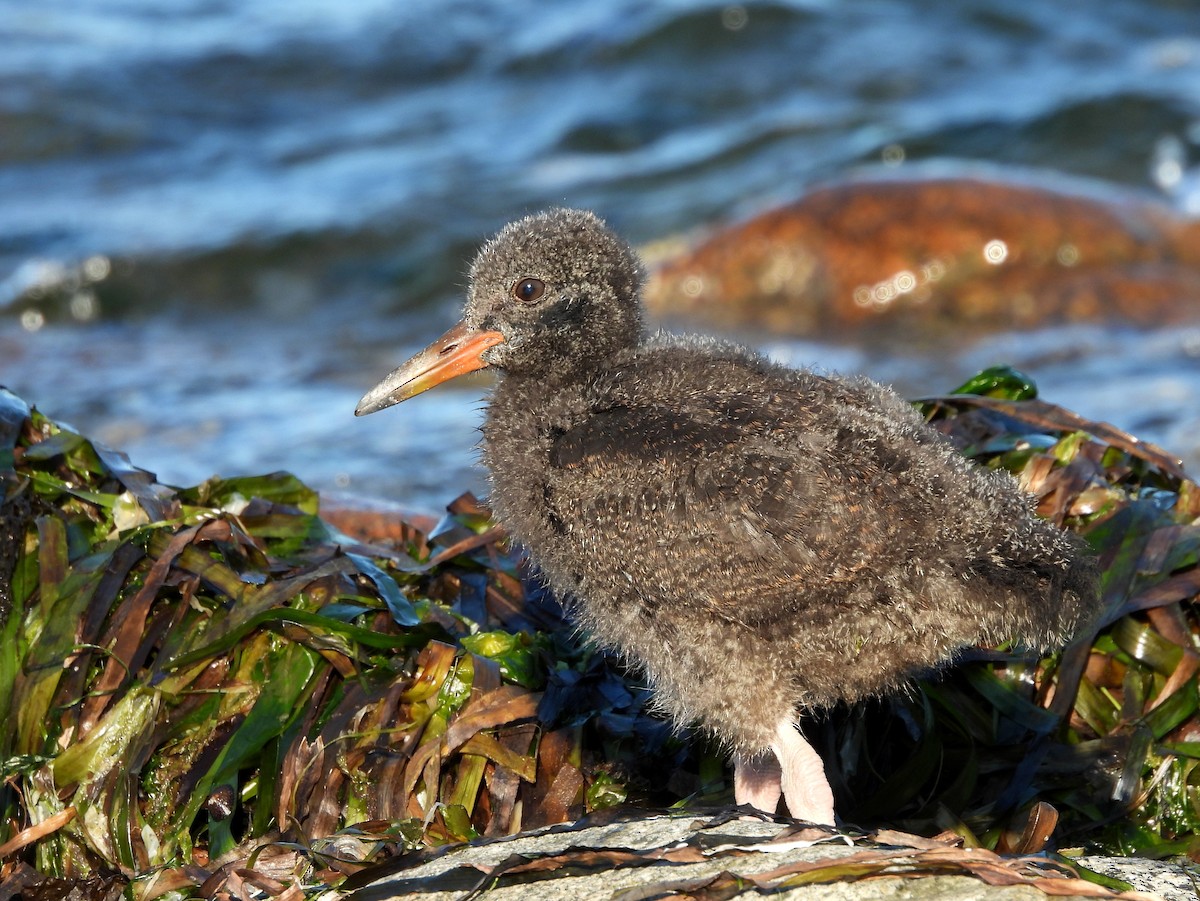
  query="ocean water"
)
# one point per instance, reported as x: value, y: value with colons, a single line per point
x: 222, y: 220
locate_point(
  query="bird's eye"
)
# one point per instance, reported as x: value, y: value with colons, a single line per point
x: 529, y: 290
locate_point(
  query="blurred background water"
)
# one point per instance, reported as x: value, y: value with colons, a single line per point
x: 222, y: 220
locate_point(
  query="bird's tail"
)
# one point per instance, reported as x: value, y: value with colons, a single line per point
x: 1048, y: 588
x: 1077, y: 591
x: 1043, y: 580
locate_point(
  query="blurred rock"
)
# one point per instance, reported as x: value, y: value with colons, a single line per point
x: 936, y: 252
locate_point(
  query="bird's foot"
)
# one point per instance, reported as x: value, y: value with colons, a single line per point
x: 805, y: 786
x: 757, y: 781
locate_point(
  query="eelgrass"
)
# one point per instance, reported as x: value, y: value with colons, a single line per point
x: 1097, y: 741
x: 207, y: 685
x: 191, y: 676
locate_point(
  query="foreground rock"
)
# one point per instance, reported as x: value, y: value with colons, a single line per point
x: 685, y: 856
x: 938, y: 251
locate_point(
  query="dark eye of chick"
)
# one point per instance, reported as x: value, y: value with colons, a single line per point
x: 529, y: 290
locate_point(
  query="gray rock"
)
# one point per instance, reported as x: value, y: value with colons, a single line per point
x: 1173, y: 881
x: 650, y: 856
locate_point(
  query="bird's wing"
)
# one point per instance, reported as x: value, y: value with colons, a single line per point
x: 758, y: 520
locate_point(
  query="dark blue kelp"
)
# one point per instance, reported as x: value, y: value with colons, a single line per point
x: 221, y: 672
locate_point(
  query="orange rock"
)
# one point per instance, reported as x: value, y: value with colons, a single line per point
x: 377, y: 521
x: 938, y: 251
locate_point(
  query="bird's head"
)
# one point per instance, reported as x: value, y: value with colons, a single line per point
x: 551, y: 293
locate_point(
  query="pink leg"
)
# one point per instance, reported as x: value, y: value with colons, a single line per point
x: 757, y: 781
x: 805, y: 787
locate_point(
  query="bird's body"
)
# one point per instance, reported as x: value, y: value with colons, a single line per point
x: 700, y: 506
x: 761, y: 540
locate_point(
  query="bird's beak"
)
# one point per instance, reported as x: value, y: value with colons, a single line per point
x: 456, y: 353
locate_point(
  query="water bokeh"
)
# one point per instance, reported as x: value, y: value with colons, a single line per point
x: 222, y: 221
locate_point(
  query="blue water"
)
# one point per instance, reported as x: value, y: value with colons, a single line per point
x: 222, y: 220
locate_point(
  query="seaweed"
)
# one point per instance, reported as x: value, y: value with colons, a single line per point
x: 198, y: 678
x: 219, y: 686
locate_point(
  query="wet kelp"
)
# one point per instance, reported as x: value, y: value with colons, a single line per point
x: 192, y: 674
x: 1099, y: 740
x: 214, y: 687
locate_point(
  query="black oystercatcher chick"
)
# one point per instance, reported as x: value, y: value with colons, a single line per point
x: 761, y: 540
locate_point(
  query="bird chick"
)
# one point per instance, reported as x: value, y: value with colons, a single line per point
x: 762, y: 541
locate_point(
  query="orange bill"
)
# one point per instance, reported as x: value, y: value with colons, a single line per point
x: 456, y: 353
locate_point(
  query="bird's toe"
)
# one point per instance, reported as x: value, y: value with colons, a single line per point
x: 805, y: 786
